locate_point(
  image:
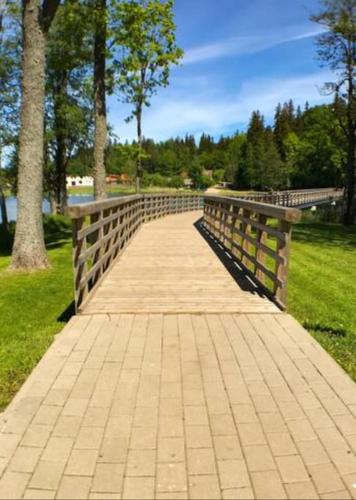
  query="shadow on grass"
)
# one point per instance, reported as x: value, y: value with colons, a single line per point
x: 321, y: 233
x: 65, y: 316
x: 57, y: 233
x: 328, y: 329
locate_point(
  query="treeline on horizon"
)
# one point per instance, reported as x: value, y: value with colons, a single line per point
x: 302, y: 149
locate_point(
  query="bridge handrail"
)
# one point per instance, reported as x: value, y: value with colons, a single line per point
x: 257, y: 235
x: 296, y: 197
x: 102, y: 229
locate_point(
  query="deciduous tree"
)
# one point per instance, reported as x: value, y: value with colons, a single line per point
x: 145, y: 32
x: 337, y: 49
x: 29, y: 249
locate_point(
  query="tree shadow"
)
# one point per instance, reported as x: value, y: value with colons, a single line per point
x: 65, y: 315
x: 57, y: 231
x: 232, y: 265
x: 326, y: 234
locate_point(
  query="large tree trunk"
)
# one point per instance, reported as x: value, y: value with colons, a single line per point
x: 100, y: 100
x: 29, y: 249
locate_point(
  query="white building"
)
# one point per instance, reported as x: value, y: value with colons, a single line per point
x: 80, y: 181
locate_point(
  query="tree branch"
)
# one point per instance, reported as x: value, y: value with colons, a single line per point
x: 49, y: 10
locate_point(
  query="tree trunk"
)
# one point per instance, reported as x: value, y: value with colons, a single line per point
x: 29, y: 249
x: 61, y: 148
x: 100, y: 101
x: 350, y: 209
x: 3, y: 209
x: 139, y: 140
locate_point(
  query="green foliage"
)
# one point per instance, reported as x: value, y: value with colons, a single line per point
x: 145, y: 33
x: 69, y: 114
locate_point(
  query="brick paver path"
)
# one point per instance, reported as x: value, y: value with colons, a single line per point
x: 172, y: 406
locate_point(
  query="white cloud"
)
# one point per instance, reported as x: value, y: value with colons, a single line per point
x: 240, y: 45
x: 210, y: 109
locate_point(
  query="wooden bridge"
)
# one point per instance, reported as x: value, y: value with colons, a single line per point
x: 181, y: 376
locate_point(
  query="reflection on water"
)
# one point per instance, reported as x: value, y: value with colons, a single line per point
x: 72, y: 200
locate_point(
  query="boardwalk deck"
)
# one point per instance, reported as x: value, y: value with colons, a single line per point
x: 168, y: 404
x: 169, y: 267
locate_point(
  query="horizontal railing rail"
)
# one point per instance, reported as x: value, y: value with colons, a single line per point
x: 258, y: 236
x: 102, y: 229
x: 297, y: 198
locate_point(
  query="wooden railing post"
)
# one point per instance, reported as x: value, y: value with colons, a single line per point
x: 246, y: 230
x: 252, y: 247
x: 260, y: 254
x: 283, y: 251
x: 79, y: 268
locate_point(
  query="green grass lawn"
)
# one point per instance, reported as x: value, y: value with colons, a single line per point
x: 322, y: 296
x: 121, y: 189
x: 322, y: 287
x: 32, y: 308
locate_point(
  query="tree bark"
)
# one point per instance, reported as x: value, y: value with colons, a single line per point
x: 3, y: 208
x: 350, y: 209
x: 61, y: 147
x: 29, y: 249
x: 3, y: 211
x: 100, y: 100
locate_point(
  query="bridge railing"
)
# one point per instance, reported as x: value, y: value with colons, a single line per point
x: 297, y: 198
x: 102, y: 229
x: 257, y: 235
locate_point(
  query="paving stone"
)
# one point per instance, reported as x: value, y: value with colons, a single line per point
x: 171, y: 477
x: 89, y: 438
x: 67, y: 426
x: 13, y: 485
x: 82, y: 463
x: 137, y: 488
x: 301, y: 491
x: 267, y: 485
x: 57, y: 449
x: 227, y: 447
x: 95, y: 417
x: 198, y: 436
x: 292, y: 469
x: 36, y: 435
x: 74, y: 488
x: 233, y: 474
x: 108, y: 478
x: 25, y: 459
x: 171, y: 449
x: 8, y: 444
x: 47, y: 475
x: 313, y: 452
x: 39, y: 494
x: 195, y: 415
x: 201, y: 461
x: 238, y: 494
x: 222, y: 425
x: 204, y: 487
x: 251, y: 434
x: 141, y: 463
x: 325, y: 478
x: 259, y: 458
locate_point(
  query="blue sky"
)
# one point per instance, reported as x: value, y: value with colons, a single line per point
x: 240, y: 55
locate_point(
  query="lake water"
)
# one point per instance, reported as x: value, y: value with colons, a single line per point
x: 11, y: 203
